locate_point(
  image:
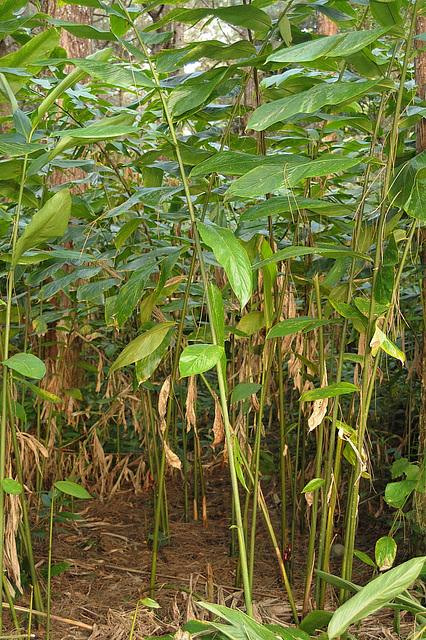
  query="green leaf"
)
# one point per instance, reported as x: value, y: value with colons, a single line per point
x: 131, y: 292
x: 381, y: 341
x: 60, y: 567
x: 232, y: 256
x: 72, y: 489
x: 198, y: 358
x: 374, y: 596
x: 93, y: 290
x: 352, y: 313
x: 331, y: 391
x: 145, y: 367
x: 149, y: 602
x: 27, y: 365
x: 296, y: 252
x: 310, y: 101
x: 385, y: 552
x: 11, y: 486
x: 189, y: 96
x: 291, y: 326
x: 42, y: 393
x: 313, y: 485
x: 264, y: 179
x: 315, y: 620
x: 114, y: 74
x: 244, y: 390
x: 235, y: 163
x: 386, y: 13
x: 49, y: 222
x: 365, y: 558
x: 246, y: 16
x: 142, y: 346
x: 283, y: 205
x: 341, y: 45
x: 251, y: 323
x: 396, y: 493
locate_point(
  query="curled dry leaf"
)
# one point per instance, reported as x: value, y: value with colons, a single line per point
x: 11, y: 558
x: 218, y: 428
x: 36, y: 447
x: 309, y: 497
x: 162, y: 402
x: 171, y: 457
x: 191, y: 399
x: 319, y: 408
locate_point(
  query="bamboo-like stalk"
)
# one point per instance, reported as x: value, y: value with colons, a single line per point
x: 221, y: 381
x: 319, y: 454
x: 367, y: 385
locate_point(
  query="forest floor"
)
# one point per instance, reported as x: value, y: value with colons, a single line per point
x: 110, y: 568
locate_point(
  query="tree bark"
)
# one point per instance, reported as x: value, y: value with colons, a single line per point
x: 325, y: 26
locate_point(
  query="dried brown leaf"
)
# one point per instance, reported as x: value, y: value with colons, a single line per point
x: 162, y: 402
x: 218, y: 428
x: 191, y: 400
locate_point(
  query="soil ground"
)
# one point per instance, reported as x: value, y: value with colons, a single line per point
x: 110, y: 562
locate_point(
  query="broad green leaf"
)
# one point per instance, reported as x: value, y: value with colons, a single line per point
x: 38, y: 46
x: 234, y: 163
x: 315, y: 620
x: 385, y: 553
x: 11, y: 486
x: 283, y: 205
x: 381, y: 341
x: 293, y: 325
x: 216, y: 50
x: 244, y: 390
x: 374, y: 596
x: 246, y: 16
x: 83, y: 30
x: 93, y: 290
x: 386, y: 13
x: 331, y: 46
x: 74, y: 393
x: 189, y: 96
x: 352, y: 313
x: 232, y: 256
x: 27, y: 365
x: 310, y: 101
x: 252, y: 322
x: 10, y: 147
x: 331, y: 391
x: 72, y: 489
x: 296, y: 252
x: 116, y: 75
x: 198, y: 358
x: 60, y: 567
x: 365, y: 558
x: 145, y: 367
x: 131, y: 292
x: 149, y: 602
x: 142, y: 346
x: 399, y: 467
x: 42, y: 393
x: 313, y: 485
x: 102, y: 130
x: 265, y: 179
x: 396, y: 493
x: 49, y: 222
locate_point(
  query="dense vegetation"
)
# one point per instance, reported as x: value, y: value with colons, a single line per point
x: 216, y: 249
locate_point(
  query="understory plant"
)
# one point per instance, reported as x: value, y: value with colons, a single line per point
x: 172, y: 248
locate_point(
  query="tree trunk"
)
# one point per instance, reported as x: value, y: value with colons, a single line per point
x: 325, y: 26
